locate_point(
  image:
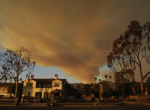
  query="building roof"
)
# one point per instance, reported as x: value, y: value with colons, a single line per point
x: 8, y: 84
x: 47, y: 80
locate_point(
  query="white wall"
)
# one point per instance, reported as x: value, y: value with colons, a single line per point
x: 33, y: 89
x: 60, y: 84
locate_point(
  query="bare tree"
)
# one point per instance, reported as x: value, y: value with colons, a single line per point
x: 7, y: 76
x: 17, y: 61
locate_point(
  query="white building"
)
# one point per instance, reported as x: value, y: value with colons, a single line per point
x: 44, y: 88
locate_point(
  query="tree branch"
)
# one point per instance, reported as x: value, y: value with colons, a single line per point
x: 146, y: 75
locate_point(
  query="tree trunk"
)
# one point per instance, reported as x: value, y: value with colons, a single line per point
x: 10, y: 91
x: 142, y: 79
x: 134, y: 84
x: 142, y: 89
x: 16, y: 90
x: 133, y: 79
x: 122, y: 90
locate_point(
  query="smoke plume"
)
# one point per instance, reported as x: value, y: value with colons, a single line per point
x: 73, y: 35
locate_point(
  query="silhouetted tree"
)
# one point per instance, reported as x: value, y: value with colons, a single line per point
x: 148, y: 81
x: 6, y: 75
x: 69, y: 90
x: 106, y: 77
x: 110, y: 78
x: 129, y: 49
x: 107, y: 90
x: 100, y: 80
x: 95, y: 79
x: 120, y: 80
x: 95, y: 89
x: 17, y: 61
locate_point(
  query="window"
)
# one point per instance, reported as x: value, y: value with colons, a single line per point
x: 29, y: 84
x: 38, y: 95
x: 49, y: 85
x: 39, y: 85
x: 46, y: 85
x: 56, y: 84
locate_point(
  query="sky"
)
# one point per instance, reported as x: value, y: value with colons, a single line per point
x: 71, y: 38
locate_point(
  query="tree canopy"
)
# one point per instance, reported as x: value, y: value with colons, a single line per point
x: 130, y: 49
x: 15, y: 62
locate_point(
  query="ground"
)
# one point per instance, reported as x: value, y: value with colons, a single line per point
x: 78, y: 108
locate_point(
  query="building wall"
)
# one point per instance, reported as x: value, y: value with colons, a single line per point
x: 57, y: 81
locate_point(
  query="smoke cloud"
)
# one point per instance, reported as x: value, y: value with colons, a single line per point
x: 73, y: 35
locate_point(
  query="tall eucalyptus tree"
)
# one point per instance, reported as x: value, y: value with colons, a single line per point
x: 132, y: 47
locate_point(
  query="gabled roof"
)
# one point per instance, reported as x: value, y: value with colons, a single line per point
x: 47, y: 80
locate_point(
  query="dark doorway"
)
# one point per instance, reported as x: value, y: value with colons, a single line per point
x: 46, y: 95
x: 38, y: 95
x: 56, y: 96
